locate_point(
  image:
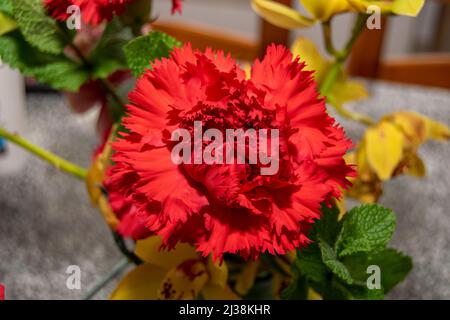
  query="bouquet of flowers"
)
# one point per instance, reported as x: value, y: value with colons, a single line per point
x: 230, y: 180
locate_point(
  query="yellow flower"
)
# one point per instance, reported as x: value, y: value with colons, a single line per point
x: 323, y: 10
x: 398, y: 7
x: 177, y: 274
x: 343, y: 91
x: 389, y: 149
x: 94, y: 185
x: 7, y: 24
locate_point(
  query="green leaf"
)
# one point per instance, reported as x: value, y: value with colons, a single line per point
x: 55, y: 70
x: 365, y: 228
x: 341, y: 291
x: 329, y: 258
x: 6, y: 7
x: 108, y: 56
x: 142, y: 51
x: 297, y: 290
x: 310, y: 265
x: 39, y: 30
x: 394, y: 266
x: 328, y: 227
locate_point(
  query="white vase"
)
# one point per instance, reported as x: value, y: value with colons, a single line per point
x: 12, y: 118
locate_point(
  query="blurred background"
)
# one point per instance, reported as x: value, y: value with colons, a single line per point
x: 410, y: 50
x: 47, y: 223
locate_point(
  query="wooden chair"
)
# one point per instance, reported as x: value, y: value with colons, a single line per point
x: 366, y: 59
x: 239, y: 46
x: 431, y: 69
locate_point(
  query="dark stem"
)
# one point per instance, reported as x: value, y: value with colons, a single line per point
x: 125, y: 251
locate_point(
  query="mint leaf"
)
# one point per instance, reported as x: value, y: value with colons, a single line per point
x: 297, y: 290
x: 6, y: 7
x: 329, y: 258
x: 142, y: 51
x: 365, y: 228
x: 39, y: 30
x: 341, y: 291
x: 108, y: 55
x: 394, y: 266
x: 62, y: 75
x: 328, y: 227
x: 309, y: 264
x: 55, y: 70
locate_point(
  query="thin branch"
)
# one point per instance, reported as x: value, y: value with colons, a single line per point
x: 100, y: 284
x: 51, y: 158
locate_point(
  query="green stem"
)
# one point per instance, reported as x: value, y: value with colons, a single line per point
x: 342, y: 56
x: 327, y: 36
x: 51, y: 158
x: 117, y: 269
x: 131, y: 256
x: 340, y: 59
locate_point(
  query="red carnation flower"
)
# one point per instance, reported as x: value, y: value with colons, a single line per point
x: 94, y: 12
x: 230, y: 208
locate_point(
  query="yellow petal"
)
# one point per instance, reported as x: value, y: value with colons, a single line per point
x: 108, y: 214
x: 278, y: 285
x: 149, y: 251
x: 280, y: 15
x: 246, y: 279
x: 184, y: 282
x: 215, y: 292
x: 415, y: 165
x: 94, y: 180
x: 412, y: 124
x: 407, y: 7
x: 313, y: 295
x: 6, y: 24
x: 323, y: 10
x: 362, y: 5
x: 340, y: 204
x: 142, y: 283
x: 345, y: 90
x: 218, y: 273
x: 437, y: 130
x: 384, y: 148
x: 308, y: 53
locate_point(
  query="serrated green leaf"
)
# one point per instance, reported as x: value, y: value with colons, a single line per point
x: 297, y: 290
x: 329, y: 258
x: 341, y: 291
x: 142, y: 51
x: 310, y: 265
x: 365, y: 228
x: 55, y: 70
x: 108, y: 56
x: 328, y: 227
x: 394, y: 266
x: 6, y: 7
x: 38, y: 29
x: 62, y: 75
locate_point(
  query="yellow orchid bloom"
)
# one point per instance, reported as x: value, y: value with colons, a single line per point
x: 7, y: 24
x: 397, y: 7
x: 94, y: 182
x: 389, y: 149
x: 323, y: 10
x: 177, y: 274
x: 343, y: 91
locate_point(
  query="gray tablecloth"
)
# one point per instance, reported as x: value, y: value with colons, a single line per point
x: 47, y: 224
